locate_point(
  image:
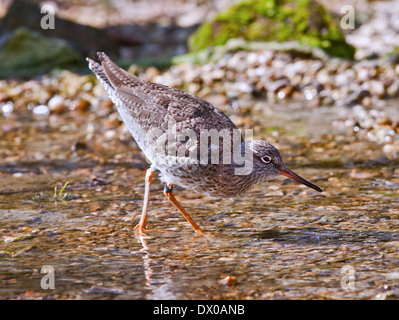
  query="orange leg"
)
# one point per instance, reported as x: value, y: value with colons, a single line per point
x: 143, y: 221
x: 169, y: 194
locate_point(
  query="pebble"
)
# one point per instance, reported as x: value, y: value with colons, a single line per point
x: 56, y: 104
x: 151, y: 73
x: 376, y: 88
x: 80, y: 105
x: 7, y: 109
x: 228, y: 280
x: 41, y: 110
x: 391, y: 150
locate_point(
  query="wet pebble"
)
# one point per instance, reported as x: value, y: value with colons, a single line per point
x: 56, y: 104
x: 101, y: 290
x: 79, y: 105
x: 41, y: 110
x: 228, y: 280
x: 7, y: 108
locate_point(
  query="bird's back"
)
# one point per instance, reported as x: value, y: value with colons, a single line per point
x: 154, y: 105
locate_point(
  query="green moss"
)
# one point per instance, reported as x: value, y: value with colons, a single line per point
x: 274, y: 20
x: 26, y: 54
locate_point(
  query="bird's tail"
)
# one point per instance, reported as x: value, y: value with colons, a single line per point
x: 110, y: 75
x: 98, y: 70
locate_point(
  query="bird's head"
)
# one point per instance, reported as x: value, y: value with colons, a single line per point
x: 268, y: 164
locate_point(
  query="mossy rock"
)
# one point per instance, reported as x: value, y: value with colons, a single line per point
x: 274, y: 20
x: 214, y: 54
x: 26, y: 54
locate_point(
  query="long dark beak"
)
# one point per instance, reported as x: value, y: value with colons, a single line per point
x: 288, y: 173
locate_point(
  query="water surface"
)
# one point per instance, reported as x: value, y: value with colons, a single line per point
x: 281, y: 240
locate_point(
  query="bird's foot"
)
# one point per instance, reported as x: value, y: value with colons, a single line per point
x: 204, y: 235
x: 199, y: 232
x: 139, y: 229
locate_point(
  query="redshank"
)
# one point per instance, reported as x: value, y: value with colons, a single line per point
x: 156, y: 114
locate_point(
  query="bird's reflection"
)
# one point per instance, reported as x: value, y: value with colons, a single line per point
x: 161, y: 284
x: 158, y: 289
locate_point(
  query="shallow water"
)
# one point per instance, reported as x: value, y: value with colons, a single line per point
x: 281, y: 240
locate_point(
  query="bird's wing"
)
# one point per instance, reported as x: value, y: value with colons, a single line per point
x: 155, y: 105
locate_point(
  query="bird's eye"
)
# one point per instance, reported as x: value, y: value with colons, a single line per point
x: 266, y: 159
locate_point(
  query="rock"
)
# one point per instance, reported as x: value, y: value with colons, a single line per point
x: 393, y: 89
x: 274, y: 20
x: 78, y: 145
x: 228, y: 280
x: 278, y: 84
x: 56, y: 104
x: 391, y: 150
x: 217, y: 99
x: 151, y: 73
x: 80, y: 105
x: 87, y: 39
x: 7, y: 108
x: 102, y: 290
x: 26, y: 53
x: 284, y: 93
x: 378, y: 35
x: 376, y: 88
x: 41, y: 110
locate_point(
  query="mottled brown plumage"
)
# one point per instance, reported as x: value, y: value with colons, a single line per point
x: 158, y: 117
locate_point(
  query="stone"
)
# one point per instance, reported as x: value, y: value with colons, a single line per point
x: 306, y: 21
x: 26, y: 53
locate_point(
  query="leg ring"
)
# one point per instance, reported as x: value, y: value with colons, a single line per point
x: 167, y: 189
